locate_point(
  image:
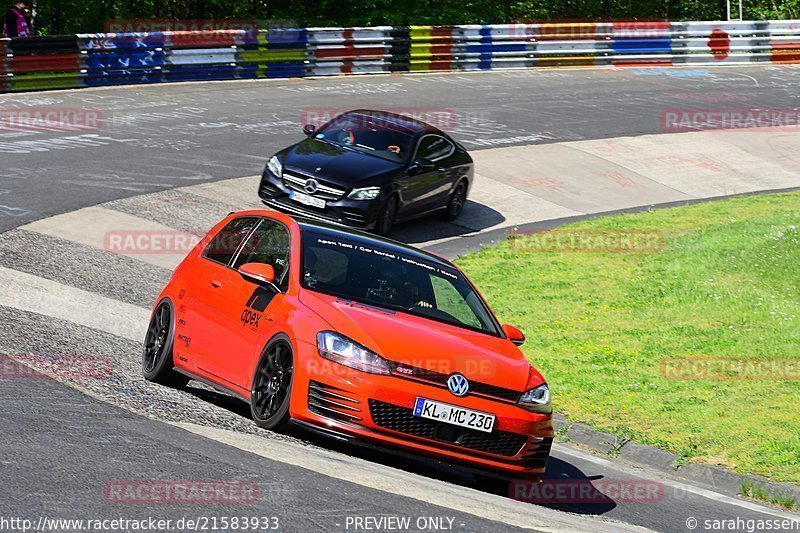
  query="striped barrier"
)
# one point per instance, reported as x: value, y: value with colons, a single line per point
x: 90, y: 60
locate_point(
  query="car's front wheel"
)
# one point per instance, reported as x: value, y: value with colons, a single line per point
x: 455, y: 204
x: 272, y: 385
x: 386, y: 217
x: 157, y: 364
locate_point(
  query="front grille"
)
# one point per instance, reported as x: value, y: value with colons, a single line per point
x: 355, y: 217
x: 536, y: 452
x: 402, y: 420
x: 440, y: 380
x: 325, y: 192
x: 332, y: 402
x: 268, y: 190
x: 285, y: 205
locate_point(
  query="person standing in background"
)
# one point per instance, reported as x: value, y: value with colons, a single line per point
x: 17, y: 21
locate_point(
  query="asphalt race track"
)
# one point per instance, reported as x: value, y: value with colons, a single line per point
x: 151, y: 159
x: 156, y: 137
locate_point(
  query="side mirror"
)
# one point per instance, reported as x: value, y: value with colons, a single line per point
x: 309, y: 129
x: 514, y: 335
x: 259, y: 273
x: 423, y: 164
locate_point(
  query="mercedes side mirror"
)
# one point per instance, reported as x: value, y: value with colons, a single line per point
x: 423, y: 164
x: 309, y: 129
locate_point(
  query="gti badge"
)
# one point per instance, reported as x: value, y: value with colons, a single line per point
x: 311, y: 186
x: 458, y: 384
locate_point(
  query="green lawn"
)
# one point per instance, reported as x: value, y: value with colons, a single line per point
x: 600, y: 326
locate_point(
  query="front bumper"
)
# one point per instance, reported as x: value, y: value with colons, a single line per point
x: 378, y: 409
x: 361, y: 214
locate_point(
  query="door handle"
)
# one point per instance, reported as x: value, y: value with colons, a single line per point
x: 216, y: 284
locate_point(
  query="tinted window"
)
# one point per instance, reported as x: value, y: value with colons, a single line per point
x: 383, y: 137
x: 364, y: 271
x: 434, y: 147
x: 224, y: 245
x: 269, y: 244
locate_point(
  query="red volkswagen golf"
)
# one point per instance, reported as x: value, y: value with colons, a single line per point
x: 353, y: 335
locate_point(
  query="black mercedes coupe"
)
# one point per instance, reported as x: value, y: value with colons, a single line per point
x: 369, y: 170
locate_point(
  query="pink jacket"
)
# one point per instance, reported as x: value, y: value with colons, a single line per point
x: 16, y: 23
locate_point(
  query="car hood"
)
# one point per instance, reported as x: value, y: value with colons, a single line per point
x: 337, y: 165
x: 427, y: 344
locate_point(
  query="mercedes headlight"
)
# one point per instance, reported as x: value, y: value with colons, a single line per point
x: 367, y: 193
x: 342, y: 350
x: 275, y: 167
x: 536, y: 400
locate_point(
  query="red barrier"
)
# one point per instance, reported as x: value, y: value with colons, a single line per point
x: 4, y: 65
x: 21, y: 64
x: 720, y: 44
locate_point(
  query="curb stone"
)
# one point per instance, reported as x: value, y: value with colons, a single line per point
x: 720, y: 478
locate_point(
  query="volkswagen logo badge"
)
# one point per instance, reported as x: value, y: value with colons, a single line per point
x: 311, y: 186
x: 458, y: 384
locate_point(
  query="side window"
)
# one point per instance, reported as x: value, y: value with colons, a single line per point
x: 434, y: 147
x: 223, y: 246
x: 269, y: 244
x: 450, y: 301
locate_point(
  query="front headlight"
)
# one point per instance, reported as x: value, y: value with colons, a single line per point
x: 275, y: 167
x: 367, y: 193
x: 342, y: 350
x: 536, y: 400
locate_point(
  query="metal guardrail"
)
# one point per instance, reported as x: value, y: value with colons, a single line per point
x: 90, y: 60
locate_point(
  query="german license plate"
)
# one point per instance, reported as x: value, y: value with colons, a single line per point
x: 452, y: 414
x: 306, y: 199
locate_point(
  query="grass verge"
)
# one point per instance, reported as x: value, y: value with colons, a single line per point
x: 693, y: 348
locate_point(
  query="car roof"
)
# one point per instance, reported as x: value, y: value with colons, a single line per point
x: 307, y: 224
x: 401, y: 122
x: 331, y: 228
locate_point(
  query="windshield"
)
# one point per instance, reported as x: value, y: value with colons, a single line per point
x: 378, y: 136
x: 382, y: 277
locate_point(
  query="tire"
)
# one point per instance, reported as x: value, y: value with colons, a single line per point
x: 386, y: 217
x: 456, y: 201
x: 157, y: 363
x: 271, y: 392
